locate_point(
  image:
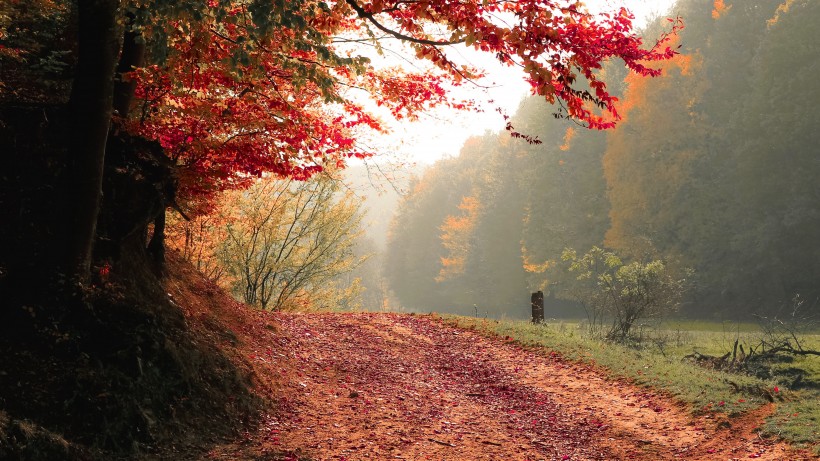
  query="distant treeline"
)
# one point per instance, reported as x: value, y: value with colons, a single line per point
x: 715, y: 167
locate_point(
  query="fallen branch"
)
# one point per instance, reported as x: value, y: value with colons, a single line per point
x: 789, y: 349
x: 711, y: 361
x: 440, y: 442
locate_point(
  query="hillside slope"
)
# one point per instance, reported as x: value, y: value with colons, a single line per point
x: 139, y: 369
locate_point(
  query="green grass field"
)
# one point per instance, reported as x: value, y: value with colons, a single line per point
x: 658, y: 362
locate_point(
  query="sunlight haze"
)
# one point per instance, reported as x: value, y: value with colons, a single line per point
x: 441, y: 133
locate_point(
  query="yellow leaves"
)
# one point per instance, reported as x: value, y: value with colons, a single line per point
x: 281, y: 244
x: 684, y: 62
x: 172, y: 102
x: 470, y: 39
x: 635, y: 95
x: 783, y: 8
x: 450, y: 267
x: 654, y: 142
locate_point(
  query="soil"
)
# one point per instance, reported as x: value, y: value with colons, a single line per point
x: 388, y: 386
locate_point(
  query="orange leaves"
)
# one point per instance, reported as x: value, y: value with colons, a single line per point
x: 567, y: 140
x: 719, y: 9
x: 640, y: 90
x: 783, y: 8
x: 456, y: 234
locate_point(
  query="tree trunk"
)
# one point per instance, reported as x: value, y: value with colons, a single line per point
x: 132, y: 56
x: 90, y: 108
x: 537, y: 304
x: 156, y: 247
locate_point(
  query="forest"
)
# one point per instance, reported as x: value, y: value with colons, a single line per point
x: 195, y: 264
x: 713, y: 170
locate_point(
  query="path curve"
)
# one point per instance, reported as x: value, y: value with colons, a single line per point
x: 404, y: 387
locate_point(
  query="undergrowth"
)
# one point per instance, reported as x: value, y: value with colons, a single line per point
x: 121, y: 374
x: 658, y: 362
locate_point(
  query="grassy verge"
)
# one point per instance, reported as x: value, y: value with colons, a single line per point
x: 659, y: 364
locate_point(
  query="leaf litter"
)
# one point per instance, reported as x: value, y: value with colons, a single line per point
x: 369, y: 386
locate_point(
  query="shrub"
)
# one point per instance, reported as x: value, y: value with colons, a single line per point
x: 608, y: 288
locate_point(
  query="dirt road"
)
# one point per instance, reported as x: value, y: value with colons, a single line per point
x: 384, y: 386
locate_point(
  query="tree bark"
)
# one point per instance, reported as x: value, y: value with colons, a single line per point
x: 90, y: 107
x: 537, y: 303
x: 156, y: 247
x: 132, y: 56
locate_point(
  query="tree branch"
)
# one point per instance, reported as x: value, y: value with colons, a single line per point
x: 369, y: 16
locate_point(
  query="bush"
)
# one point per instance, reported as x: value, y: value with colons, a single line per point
x: 623, y: 293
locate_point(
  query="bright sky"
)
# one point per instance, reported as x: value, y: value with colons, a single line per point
x: 442, y: 133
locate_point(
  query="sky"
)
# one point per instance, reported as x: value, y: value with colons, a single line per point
x: 441, y: 133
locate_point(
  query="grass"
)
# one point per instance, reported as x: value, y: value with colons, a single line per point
x: 659, y: 363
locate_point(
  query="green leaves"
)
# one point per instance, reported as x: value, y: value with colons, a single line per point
x: 622, y: 293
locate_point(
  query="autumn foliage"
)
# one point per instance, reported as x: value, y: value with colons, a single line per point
x: 231, y: 91
x: 280, y: 244
x: 455, y: 237
x: 234, y: 90
x: 204, y: 97
x: 114, y: 111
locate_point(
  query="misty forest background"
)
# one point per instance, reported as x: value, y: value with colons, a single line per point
x: 714, y: 170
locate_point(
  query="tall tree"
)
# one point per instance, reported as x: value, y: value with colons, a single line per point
x: 414, y: 250
x: 708, y: 166
x: 566, y: 203
x: 455, y: 242
x: 224, y: 91
x: 777, y: 165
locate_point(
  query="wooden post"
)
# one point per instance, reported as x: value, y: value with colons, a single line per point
x: 537, y: 301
